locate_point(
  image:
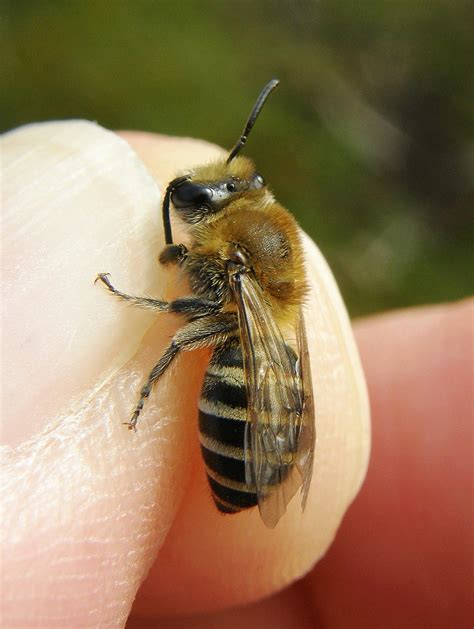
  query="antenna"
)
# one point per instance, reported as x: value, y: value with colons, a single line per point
x: 264, y: 94
x: 165, y: 208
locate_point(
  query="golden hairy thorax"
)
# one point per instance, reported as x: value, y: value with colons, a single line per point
x: 257, y: 225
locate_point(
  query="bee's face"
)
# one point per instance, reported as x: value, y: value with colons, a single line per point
x: 209, y: 189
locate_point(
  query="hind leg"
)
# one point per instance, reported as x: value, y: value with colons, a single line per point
x: 203, y: 332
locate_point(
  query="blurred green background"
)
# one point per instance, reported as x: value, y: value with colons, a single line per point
x: 368, y: 139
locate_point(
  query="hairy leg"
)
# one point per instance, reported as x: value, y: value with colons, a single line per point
x: 189, y: 306
x: 202, y: 332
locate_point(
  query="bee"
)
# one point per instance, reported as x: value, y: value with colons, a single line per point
x: 245, y: 268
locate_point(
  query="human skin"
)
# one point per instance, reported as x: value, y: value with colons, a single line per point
x: 89, y: 509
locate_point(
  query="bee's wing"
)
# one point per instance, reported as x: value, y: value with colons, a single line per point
x: 307, y: 428
x: 279, y: 437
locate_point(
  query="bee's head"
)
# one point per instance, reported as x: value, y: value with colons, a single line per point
x: 203, y: 193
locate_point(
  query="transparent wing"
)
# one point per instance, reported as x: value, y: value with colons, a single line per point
x: 279, y: 438
x: 307, y: 427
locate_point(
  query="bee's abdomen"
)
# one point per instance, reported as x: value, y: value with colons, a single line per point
x: 222, y: 421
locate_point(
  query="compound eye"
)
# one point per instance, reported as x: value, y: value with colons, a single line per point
x: 258, y: 181
x: 190, y: 194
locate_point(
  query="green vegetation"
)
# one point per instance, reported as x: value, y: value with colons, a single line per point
x: 368, y: 140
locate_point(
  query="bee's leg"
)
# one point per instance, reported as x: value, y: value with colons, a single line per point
x: 188, y: 306
x: 173, y: 254
x: 143, y: 302
x: 194, y: 307
x: 196, y: 334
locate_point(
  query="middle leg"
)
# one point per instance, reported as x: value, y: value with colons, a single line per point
x: 190, y: 306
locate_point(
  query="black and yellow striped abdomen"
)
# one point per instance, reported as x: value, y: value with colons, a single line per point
x: 222, y: 422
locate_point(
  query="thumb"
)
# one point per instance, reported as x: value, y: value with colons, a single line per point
x: 87, y: 504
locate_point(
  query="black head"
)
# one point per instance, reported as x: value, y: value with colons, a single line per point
x: 195, y: 200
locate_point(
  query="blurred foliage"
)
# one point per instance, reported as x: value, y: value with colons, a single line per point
x: 368, y: 140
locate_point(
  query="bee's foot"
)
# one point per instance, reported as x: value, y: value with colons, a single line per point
x: 131, y: 425
x: 103, y: 277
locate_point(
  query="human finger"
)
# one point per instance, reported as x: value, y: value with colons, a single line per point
x: 86, y: 503
x: 403, y: 554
